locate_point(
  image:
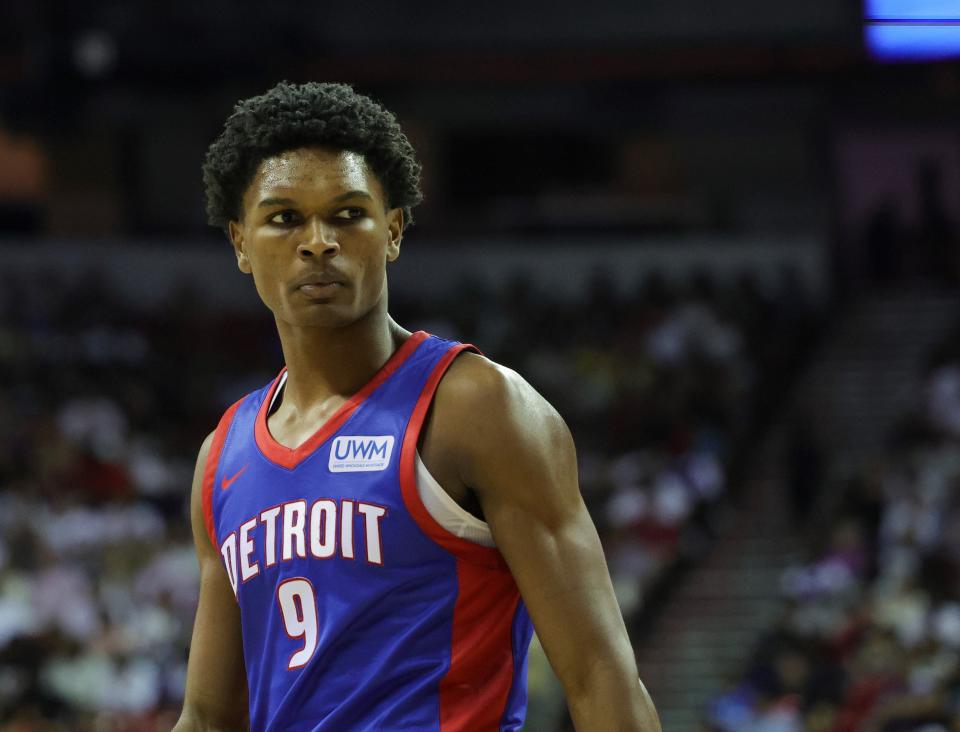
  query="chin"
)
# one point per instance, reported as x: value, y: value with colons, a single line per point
x: 328, y: 319
x: 322, y: 315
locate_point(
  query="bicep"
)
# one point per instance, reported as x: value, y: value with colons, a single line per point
x: 216, y: 679
x: 525, y: 475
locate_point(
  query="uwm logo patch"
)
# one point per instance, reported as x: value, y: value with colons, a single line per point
x: 360, y: 453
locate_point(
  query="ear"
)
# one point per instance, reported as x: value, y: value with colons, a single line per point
x: 235, y: 231
x: 395, y: 232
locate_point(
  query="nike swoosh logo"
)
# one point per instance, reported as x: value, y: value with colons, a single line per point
x: 227, y: 482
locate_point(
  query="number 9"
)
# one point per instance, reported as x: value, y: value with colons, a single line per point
x: 298, y: 606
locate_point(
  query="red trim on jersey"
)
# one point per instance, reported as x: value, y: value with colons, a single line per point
x: 476, y: 689
x: 289, y: 458
x: 471, y: 551
x: 210, y: 470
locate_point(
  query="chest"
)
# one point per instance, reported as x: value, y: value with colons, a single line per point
x: 291, y: 429
x: 339, y: 513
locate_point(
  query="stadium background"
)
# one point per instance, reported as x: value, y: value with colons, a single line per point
x: 720, y: 238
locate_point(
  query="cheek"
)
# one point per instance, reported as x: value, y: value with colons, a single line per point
x: 374, y: 273
x: 269, y: 251
x: 268, y: 267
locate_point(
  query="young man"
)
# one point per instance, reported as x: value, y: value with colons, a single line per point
x: 378, y: 526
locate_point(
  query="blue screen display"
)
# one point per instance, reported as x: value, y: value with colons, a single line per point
x: 912, y: 30
x: 913, y: 42
x: 916, y: 10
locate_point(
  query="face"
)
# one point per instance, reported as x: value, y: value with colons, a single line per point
x: 316, y: 235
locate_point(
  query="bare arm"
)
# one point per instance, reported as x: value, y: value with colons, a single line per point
x: 216, y: 693
x: 519, y: 459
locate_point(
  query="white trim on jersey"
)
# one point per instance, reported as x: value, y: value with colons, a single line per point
x: 447, y: 512
x: 277, y: 392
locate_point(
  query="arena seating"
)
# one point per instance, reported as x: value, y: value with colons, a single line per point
x: 103, y: 406
x: 869, y: 638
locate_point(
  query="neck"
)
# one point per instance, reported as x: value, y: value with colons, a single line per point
x: 326, y: 362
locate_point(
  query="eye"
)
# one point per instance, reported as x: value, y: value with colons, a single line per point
x: 350, y: 213
x: 284, y: 218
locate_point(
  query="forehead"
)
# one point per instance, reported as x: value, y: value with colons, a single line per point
x: 312, y: 172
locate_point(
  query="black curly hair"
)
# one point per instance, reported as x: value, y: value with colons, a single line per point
x: 291, y: 116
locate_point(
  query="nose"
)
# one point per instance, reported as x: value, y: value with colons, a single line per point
x: 319, y: 238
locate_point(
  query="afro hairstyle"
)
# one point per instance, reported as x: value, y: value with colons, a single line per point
x: 291, y: 116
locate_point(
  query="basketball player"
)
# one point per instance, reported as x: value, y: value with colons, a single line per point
x: 379, y: 525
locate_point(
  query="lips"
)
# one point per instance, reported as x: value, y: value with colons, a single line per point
x: 319, y: 279
x: 319, y: 285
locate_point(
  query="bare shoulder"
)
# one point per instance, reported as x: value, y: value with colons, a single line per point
x: 493, y: 419
x: 473, y: 376
x: 201, y: 465
x: 201, y: 540
x: 482, y: 390
x: 205, y: 450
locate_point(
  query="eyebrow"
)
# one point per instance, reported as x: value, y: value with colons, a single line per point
x: 290, y: 202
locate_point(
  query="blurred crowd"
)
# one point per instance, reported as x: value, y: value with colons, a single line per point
x: 103, y: 405
x: 869, y: 638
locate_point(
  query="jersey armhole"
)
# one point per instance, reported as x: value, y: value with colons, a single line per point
x: 447, y: 512
x: 210, y: 469
x: 489, y: 557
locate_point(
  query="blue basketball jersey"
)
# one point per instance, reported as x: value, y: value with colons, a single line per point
x: 358, y: 610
